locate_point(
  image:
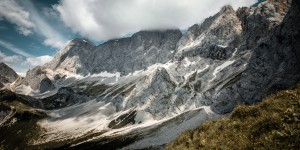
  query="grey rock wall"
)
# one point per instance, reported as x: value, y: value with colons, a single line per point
x: 7, y: 74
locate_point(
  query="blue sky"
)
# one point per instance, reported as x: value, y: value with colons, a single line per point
x: 32, y: 31
x: 16, y: 47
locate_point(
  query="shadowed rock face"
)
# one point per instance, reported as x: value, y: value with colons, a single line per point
x: 274, y: 64
x: 37, y: 79
x: 7, y: 75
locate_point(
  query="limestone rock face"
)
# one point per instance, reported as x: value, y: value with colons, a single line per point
x: 123, y: 55
x: 275, y: 62
x: 137, y: 52
x: 259, y: 21
x: 73, y: 57
x: 212, y: 38
x: 37, y: 79
x: 7, y: 74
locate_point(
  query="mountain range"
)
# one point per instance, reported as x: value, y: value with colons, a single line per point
x: 143, y: 91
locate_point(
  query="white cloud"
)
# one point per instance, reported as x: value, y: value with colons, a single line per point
x: 13, y: 61
x: 17, y: 15
x: 106, y: 19
x: 20, y: 65
x: 37, y: 61
x: 22, y: 74
x: 28, y: 19
x: 44, y: 28
x: 11, y: 47
x: 10, y: 59
x: 55, y: 42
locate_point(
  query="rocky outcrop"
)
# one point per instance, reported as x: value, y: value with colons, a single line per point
x: 64, y: 97
x: 212, y: 38
x: 259, y: 21
x: 37, y: 79
x: 7, y: 74
x: 73, y: 57
x: 275, y: 63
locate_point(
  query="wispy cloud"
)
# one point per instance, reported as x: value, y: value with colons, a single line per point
x: 43, y: 27
x: 22, y: 64
x: 106, y: 19
x: 10, y: 59
x: 28, y: 19
x: 37, y: 61
x: 11, y: 47
x: 16, y: 14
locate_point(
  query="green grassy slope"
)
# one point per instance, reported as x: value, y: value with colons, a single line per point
x: 272, y: 124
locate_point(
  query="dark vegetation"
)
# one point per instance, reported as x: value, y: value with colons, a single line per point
x: 19, y: 116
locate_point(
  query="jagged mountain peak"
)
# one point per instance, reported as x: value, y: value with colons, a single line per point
x: 227, y: 9
x: 81, y: 41
x: 214, y: 34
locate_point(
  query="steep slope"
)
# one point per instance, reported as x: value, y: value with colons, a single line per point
x: 37, y: 79
x: 73, y: 58
x: 271, y: 124
x: 211, y: 39
x: 275, y: 62
x: 7, y: 75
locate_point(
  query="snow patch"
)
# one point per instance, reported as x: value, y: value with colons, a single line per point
x: 223, y: 46
x: 221, y: 67
x: 143, y: 117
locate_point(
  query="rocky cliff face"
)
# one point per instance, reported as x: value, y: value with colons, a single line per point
x: 73, y: 57
x: 124, y: 55
x: 275, y: 63
x: 137, y: 52
x: 7, y: 75
x: 212, y: 38
x: 37, y: 79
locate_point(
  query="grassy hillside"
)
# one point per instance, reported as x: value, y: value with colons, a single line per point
x: 272, y: 124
